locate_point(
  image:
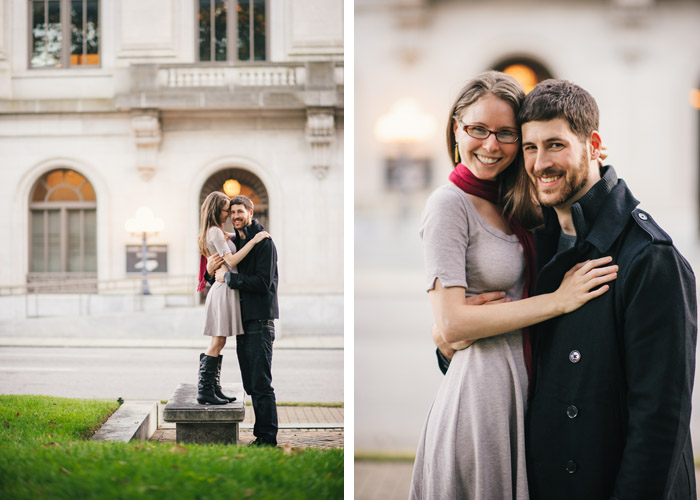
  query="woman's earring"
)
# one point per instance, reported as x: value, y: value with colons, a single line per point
x: 456, y: 153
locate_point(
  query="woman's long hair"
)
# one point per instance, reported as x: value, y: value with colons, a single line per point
x: 517, y: 193
x: 209, y: 216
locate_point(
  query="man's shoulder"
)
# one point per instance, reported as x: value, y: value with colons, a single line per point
x: 650, y: 229
x: 647, y: 240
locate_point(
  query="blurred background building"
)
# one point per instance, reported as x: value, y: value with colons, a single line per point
x: 639, y: 60
x: 108, y: 106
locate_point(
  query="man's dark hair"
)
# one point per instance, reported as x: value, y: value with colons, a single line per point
x: 242, y: 200
x: 553, y: 99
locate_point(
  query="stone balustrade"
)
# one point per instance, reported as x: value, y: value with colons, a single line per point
x: 189, y: 76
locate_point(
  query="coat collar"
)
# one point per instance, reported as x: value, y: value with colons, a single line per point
x: 251, y: 229
x: 609, y: 197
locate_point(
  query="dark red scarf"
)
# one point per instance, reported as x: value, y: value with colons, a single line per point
x: 202, y: 283
x: 464, y: 179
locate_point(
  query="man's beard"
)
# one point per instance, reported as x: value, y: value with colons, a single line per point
x: 245, y: 222
x: 574, y: 181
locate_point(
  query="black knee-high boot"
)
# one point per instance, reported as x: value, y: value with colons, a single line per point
x: 217, y: 384
x: 207, y: 380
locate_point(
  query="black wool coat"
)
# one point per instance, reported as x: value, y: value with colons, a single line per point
x: 257, y: 277
x: 610, y: 408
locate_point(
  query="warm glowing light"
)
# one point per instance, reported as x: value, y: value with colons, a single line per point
x: 524, y: 74
x: 405, y: 122
x: 144, y: 222
x: 695, y: 98
x: 232, y: 188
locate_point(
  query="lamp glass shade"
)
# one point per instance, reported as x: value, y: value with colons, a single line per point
x: 232, y: 188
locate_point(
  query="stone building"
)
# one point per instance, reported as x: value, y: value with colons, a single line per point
x: 108, y: 106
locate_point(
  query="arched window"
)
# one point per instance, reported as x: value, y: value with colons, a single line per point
x: 232, y: 182
x: 527, y: 71
x: 63, y: 228
x: 245, y: 183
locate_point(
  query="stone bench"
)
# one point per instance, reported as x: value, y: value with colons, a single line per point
x: 195, y: 423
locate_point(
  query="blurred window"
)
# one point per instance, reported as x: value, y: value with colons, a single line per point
x: 220, y: 21
x: 527, y: 71
x: 64, y: 33
x: 407, y: 174
x: 63, y: 228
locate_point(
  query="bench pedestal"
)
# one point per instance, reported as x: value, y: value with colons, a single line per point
x: 206, y: 433
x: 195, y: 423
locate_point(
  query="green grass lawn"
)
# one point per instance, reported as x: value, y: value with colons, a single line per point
x: 44, y: 454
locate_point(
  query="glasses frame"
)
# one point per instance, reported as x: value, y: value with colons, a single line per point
x: 496, y: 133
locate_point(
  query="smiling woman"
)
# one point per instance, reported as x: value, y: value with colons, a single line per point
x: 485, y: 152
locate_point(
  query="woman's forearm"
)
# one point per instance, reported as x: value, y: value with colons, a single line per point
x: 460, y: 322
x: 233, y: 259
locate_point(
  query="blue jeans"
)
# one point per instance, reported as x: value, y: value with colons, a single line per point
x: 254, y: 350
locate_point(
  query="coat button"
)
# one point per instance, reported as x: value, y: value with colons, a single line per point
x: 571, y: 467
x: 572, y: 412
x: 642, y: 216
x: 574, y: 356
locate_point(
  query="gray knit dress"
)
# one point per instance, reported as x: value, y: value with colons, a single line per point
x: 222, y: 309
x: 473, y: 442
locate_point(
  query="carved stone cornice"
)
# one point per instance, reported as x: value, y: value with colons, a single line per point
x: 320, y: 133
x: 146, y: 127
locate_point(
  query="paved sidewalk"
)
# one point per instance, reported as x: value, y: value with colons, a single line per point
x: 391, y: 480
x: 299, y: 426
x: 160, y: 342
x: 382, y: 480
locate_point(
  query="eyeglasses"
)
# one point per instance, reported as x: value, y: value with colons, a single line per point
x: 479, y: 132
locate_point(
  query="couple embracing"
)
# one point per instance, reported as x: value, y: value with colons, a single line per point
x: 242, y: 302
x: 565, y: 319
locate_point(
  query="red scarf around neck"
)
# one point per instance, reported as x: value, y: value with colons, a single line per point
x: 464, y: 179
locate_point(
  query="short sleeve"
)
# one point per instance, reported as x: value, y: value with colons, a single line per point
x: 216, y: 241
x: 445, y: 233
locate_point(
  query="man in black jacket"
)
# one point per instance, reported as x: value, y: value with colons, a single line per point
x: 610, y: 408
x: 256, y: 282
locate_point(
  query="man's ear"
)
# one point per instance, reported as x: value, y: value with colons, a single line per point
x: 596, y: 143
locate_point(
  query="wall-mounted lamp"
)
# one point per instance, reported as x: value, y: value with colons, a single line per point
x: 403, y: 129
x: 406, y: 122
x: 232, y: 188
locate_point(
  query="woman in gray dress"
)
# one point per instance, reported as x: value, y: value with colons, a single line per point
x: 222, y: 310
x: 476, y: 239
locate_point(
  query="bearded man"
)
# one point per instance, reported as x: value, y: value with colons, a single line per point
x: 610, y: 404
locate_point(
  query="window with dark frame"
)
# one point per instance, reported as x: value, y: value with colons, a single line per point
x: 219, y: 21
x: 64, y: 33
